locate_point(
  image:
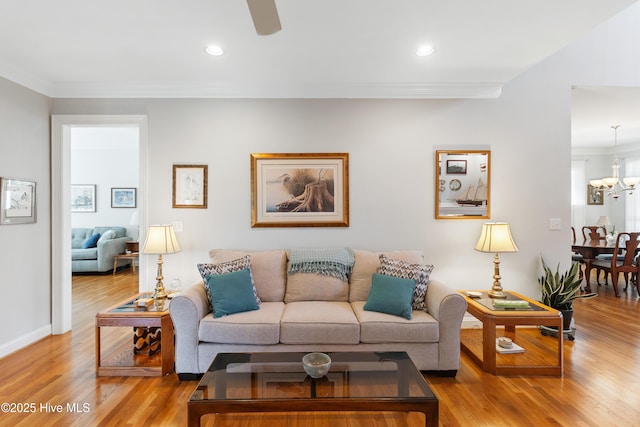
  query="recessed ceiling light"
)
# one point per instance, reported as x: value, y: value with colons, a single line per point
x: 425, y: 50
x: 214, y: 50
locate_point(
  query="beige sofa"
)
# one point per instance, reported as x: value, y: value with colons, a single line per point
x: 304, y: 312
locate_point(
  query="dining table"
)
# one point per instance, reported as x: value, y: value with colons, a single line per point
x: 589, y: 251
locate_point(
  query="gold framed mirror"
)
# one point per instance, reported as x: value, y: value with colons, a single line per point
x: 463, y: 184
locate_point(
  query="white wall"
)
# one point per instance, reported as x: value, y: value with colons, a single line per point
x: 106, y: 157
x: 391, y: 145
x: 25, y: 256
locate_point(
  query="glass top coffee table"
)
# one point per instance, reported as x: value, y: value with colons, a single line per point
x: 277, y: 382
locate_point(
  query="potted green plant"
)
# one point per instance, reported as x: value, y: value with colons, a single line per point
x: 560, y: 290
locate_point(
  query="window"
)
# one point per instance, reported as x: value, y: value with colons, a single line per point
x: 632, y: 201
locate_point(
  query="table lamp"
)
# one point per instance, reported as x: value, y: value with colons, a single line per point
x: 604, y: 221
x: 161, y: 239
x: 496, y: 237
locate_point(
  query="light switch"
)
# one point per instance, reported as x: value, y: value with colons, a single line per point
x: 177, y: 226
x: 555, y: 224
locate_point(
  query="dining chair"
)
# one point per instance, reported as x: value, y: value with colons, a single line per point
x: 594, y: 233
x: 626, y: 263
x: 576, y: 257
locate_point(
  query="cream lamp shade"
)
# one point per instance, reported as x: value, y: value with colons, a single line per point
x: 161, y: 239
x: 496, y: 237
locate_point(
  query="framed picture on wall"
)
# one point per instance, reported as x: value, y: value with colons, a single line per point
x: 595, y: 196
x: 83, y: 198
x: 300, y: 190
x: 190, y: 186
x: 17, y: 201
x: 123, y: 197
x: 456, y: 167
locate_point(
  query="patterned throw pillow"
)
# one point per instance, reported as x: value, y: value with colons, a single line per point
x: 226, y: 267
x: 418, y: 272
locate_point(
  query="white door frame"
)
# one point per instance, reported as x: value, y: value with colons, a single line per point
x: 61, y: 301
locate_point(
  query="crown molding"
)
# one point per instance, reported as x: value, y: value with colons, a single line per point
x: 280, y: 90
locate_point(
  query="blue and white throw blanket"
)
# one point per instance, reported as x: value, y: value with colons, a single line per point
x: 336, y: 262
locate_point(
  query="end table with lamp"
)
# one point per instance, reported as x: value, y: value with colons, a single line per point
x: 506, y: 309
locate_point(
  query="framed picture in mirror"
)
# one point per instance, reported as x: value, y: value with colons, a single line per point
x: 467, y: 179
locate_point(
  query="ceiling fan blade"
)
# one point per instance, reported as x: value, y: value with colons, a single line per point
x: 265, y: 16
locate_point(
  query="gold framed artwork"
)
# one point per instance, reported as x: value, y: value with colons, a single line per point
x: 17, y: 201
x: 299, y: 189
x: 595, y: 196
x: 468, y: 173
x: 190, y: 186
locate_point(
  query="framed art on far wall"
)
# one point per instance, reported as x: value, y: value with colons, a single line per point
x: 17, y: 201
x: 190, y: 186
x: 123, y: 197
x: 300, y: 190
x: 595, y: 196
x: 83, y: 198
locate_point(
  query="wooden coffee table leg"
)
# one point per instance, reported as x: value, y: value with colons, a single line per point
x: 489, y: 346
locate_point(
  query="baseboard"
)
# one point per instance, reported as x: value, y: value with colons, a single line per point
x: 25, y: 340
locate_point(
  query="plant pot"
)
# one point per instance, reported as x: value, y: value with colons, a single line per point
x: 567, y: 318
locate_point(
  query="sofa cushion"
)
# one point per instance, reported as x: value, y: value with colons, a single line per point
x: 315, y: 287
x: 417, y: 272
x: 232, y: 292
x: 267, y: 267
x: 207, y: 270
x: 79, y: 235
x: 79, y: 254
x: 107, y: 235
x: 319, y: 322
x: 391, y: 295
x: 91, y: 242
x: 120, y: 231
x: 259, y: 327
x: 378, y: 327
x: 368, y: 263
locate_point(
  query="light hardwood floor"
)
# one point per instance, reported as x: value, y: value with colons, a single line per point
x: 600, y: 386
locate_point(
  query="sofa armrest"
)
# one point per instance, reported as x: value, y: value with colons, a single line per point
x: 186, y: 310
x: 448, y: 307
x: 108, y: 249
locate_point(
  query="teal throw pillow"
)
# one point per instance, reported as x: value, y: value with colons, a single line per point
x: 91, y: 242
x: 390, y: 295
x: 232, y: 293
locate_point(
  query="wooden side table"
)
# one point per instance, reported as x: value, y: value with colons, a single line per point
x: 537, y: 315
x: 131, y: 252
x: 126, y: 360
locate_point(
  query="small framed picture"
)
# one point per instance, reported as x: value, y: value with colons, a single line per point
x: 190, y: 186
x: 123, y: 197
x: 595, y: 196
x: 17, y: 201
x: 457, y: 167
x: 83, y: 198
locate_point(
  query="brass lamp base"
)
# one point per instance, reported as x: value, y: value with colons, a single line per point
x: 159, y: 293
x: 496, y: 289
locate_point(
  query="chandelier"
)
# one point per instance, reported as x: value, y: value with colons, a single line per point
x: 613, y: 184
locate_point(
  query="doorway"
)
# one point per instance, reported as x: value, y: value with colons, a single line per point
x: 63, y: 129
